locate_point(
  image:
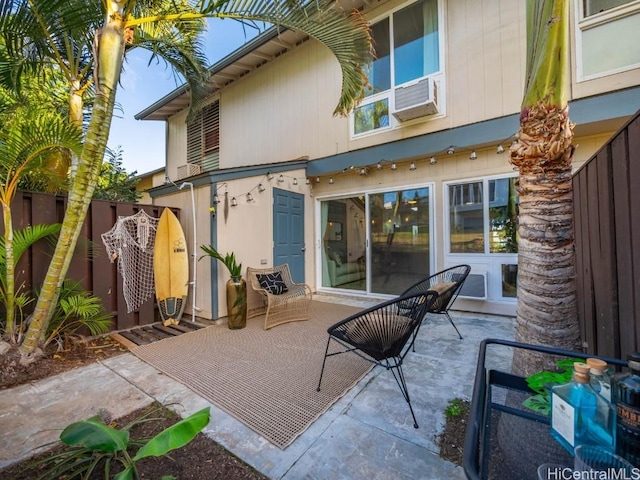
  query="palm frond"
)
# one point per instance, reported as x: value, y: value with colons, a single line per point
x: 346, y: 34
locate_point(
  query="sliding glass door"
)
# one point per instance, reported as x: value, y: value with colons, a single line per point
x: 378, y: 243
x: 400, y: 248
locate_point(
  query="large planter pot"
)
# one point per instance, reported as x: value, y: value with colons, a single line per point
x: 236, y: 303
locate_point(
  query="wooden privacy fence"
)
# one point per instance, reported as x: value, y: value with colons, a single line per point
x: 90, y: 265
x: 606, y: 193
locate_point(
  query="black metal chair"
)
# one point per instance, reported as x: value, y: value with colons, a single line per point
x: 448, y: 284
x: 383, y: 335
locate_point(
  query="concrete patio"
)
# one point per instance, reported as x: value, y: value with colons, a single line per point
x: 367, y: 434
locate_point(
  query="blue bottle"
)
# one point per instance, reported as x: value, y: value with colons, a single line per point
x: 579, y: 415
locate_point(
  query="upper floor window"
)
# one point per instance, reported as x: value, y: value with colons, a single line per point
x: 407, y: 48
x: 203, y: 138
x: 607, y: 37
x: 591, y: 7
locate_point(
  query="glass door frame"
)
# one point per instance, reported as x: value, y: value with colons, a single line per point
x: 319, y: 258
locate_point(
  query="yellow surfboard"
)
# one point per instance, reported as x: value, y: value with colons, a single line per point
x: 170, y: 268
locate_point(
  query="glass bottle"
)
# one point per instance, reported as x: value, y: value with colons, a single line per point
x: 625, y: 389
x: 579, y: 415
x: 600, y: 378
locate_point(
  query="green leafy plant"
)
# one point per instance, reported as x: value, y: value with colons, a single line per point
x: 456, y: 408
x: 77, y: 309
x: 541, y: 383
x: 228, y: 260
x: 94, y: 444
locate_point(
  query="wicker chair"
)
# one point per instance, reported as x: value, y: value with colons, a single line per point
x: 290, y: 306
x: 448, y: 284
x: 382, y: 336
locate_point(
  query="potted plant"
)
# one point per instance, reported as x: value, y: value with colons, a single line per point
x: 236, y: 288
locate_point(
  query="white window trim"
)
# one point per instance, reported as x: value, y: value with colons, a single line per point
x: 438, y: 76
x: 489, y: 263
x: 585, y: 23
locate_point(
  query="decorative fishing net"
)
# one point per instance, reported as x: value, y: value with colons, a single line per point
x: 131, y: 241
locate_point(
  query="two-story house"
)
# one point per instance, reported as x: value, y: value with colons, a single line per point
x: 417, y: 178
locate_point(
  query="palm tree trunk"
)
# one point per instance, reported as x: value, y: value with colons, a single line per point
x: 547, y: 308
x: 10, y: 287
x: 108, y: 64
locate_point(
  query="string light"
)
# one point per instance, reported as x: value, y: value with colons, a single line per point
x: 295, y: 181
x: 451, y: 150
x: 394, y: 166
x: 499, y: 149
x: 234, y: 202
x: 249, y: 197
x: 269, y: 176
x: 281, y: 179
x: 331, y: 180
x: 473, y: 156
x: 260, y: 188
x: 433, y: 160
x: 412, y: 167
x: 379, y: 166
x: 307, y: 181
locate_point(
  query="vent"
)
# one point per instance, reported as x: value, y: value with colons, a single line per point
x: 188, y: 170
x: 417, y: 100
x: 475, y: 286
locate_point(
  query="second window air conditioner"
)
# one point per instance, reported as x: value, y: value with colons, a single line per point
x: 417, y: 100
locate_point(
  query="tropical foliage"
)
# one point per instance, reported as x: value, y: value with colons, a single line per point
x: 94, y: 447
x: 114, y: 183
x: 228, y: 259
x: 86, y: 41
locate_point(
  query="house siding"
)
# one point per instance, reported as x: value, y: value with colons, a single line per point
x: 283, y: 111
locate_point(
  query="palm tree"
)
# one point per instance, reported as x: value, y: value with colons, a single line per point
x: 170, y: 30
x: 28, y: 139
x: 547, y: 310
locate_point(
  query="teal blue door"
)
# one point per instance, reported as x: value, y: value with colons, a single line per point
x: 288, y: 232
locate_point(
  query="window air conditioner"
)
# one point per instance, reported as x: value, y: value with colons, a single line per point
x: 416, y: 100
x: 475, y: 286
x: 188, y: 170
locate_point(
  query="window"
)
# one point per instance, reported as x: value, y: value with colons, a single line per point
x: 203, y: 138
x: 481, y: 223
x: 591, y: 7
x: 407, y: 46
x: 601, y: 24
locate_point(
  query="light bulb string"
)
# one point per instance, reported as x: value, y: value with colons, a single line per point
x: 258, y: 187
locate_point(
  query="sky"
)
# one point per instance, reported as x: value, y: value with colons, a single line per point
x: 141, y: 85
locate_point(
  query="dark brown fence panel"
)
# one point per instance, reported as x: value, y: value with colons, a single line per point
x: 90, y: 264
x: 606, y: 195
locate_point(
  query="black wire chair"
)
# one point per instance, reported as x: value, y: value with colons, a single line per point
x: 448, y: 284
x: 383, y: 335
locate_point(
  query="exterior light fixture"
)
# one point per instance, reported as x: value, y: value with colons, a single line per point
x: 394, y: 166
x: 331, y: 180
x: 234, y: 202
x: 451, y: 150
x: 412, y: 167
x: 500, y: 149
x: 433, y: 160
x: 473, y: 156
x: 260, y: 187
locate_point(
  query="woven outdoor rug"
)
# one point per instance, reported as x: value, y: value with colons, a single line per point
x: 265, y: 379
